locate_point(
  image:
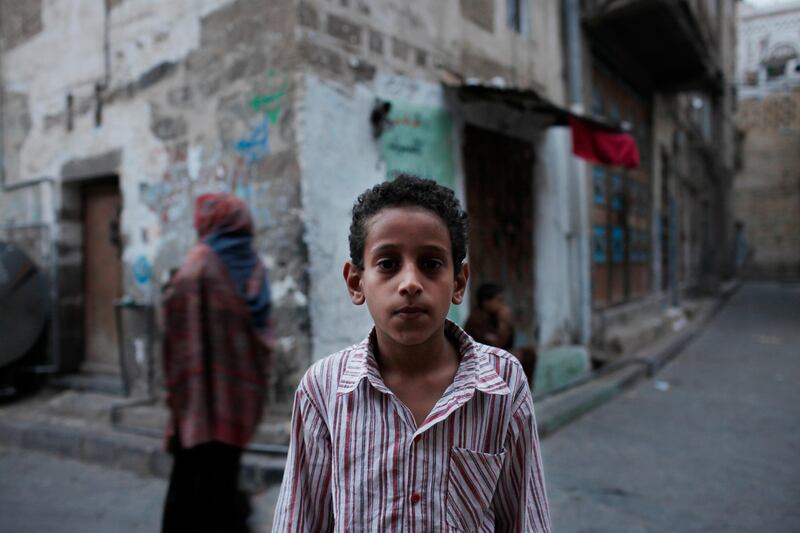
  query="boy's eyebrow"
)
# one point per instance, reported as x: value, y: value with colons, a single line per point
x: 388, y: 247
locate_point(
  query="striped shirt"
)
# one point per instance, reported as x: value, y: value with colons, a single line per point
x: 358, y: 462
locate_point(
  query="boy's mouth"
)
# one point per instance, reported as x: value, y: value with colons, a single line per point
x: 409, y: 311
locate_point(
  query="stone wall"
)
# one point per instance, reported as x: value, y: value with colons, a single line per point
x: 766, y: 195
x: 174, y: 99
x: 430, y: 40
x: 268, y: 100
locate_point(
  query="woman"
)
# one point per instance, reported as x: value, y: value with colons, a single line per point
x: 216, y: 355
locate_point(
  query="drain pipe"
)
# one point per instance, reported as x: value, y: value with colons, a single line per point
x: 580, y: 226
x: 574, y: 54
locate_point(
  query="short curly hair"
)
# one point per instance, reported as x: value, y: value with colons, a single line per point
x: 409, y: 191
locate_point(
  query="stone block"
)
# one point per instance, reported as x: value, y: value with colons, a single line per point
x: 322, y: 57
x: 100, y: 165
x: 480, y: 12
x: 100, y: 451
x: 400, y: 49
x: 168, y: 128
x: 559, y: 367
x: 12, y: 433
x: 20, y: 22
x: 160, y: 72
x: 161, y: 464
x: 308, y: 16
x: 134, y: 459
x: 363, y: 71
x: 421, y: 57
x: 344, y: 30
x: 375, y: 42
x: 64, y: 441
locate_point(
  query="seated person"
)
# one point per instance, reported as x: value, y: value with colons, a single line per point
x: 491, y: 322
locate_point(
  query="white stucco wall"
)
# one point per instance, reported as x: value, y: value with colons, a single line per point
x: 339, y: 159
x: 556, y: 307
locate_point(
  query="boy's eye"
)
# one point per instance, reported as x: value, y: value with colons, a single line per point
x: 432, y: 265
x: 387, y: 264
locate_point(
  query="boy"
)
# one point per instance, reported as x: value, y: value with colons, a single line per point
x: 418, y: 427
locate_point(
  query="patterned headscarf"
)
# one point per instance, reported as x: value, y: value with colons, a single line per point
x: 221, y: 213
x: 223, y: 222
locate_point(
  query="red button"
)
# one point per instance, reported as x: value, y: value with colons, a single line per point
x: 415, y: 498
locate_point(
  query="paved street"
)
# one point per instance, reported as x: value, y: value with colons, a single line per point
x: 40, y: 493
x: 710, y: 445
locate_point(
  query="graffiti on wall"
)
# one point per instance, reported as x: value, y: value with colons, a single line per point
x: 190, y: 169
x: 419, y: 142
x: 255, y: 145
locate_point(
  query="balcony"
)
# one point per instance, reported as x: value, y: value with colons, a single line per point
x: 654, y: 44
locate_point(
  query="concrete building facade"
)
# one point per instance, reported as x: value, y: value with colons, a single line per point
x: 666, y: 70
x: 117, y: 114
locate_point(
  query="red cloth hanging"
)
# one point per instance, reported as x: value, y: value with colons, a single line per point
x: 601, y: 146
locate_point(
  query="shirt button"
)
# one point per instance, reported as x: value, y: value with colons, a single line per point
x: 415, y: 498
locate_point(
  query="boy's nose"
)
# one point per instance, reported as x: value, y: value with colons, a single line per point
x: 410, y: 284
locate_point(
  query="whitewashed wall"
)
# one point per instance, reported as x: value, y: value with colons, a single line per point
x: 557, y: 305
x: 339, y: 160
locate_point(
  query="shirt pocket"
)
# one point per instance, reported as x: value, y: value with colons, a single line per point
x: 471, y: 482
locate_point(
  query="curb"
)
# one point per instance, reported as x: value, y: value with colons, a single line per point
x: 134, y: 455
x: 556, y: 411
x: 140, y: 455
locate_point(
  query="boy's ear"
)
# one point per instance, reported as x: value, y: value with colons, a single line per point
x: 460, y: 283
x: 352, y: 278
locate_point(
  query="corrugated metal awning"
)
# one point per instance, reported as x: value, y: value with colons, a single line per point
x: 527, y: 100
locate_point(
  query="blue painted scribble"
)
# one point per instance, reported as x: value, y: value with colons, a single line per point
x: 256, y: 145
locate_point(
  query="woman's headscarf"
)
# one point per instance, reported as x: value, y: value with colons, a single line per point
x: 223, y: 222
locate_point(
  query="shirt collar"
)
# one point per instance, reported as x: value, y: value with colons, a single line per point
x: 475, y: 370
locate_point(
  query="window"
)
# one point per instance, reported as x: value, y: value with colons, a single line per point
x: 599, y: 185
x: 517, y: 11
x: 598, y: 107
x: 779, y: 58
x: 599, y: 245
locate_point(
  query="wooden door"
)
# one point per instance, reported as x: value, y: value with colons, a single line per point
x: 499, y: 183
x: 102, y: 276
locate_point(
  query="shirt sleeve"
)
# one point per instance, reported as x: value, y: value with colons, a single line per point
x: 304, y: 502
x: 520, y: 501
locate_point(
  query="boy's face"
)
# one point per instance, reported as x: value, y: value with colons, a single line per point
x: 494, y: 305
x: 409, y: 279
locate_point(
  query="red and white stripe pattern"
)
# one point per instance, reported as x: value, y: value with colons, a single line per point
x: 358, y: 462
